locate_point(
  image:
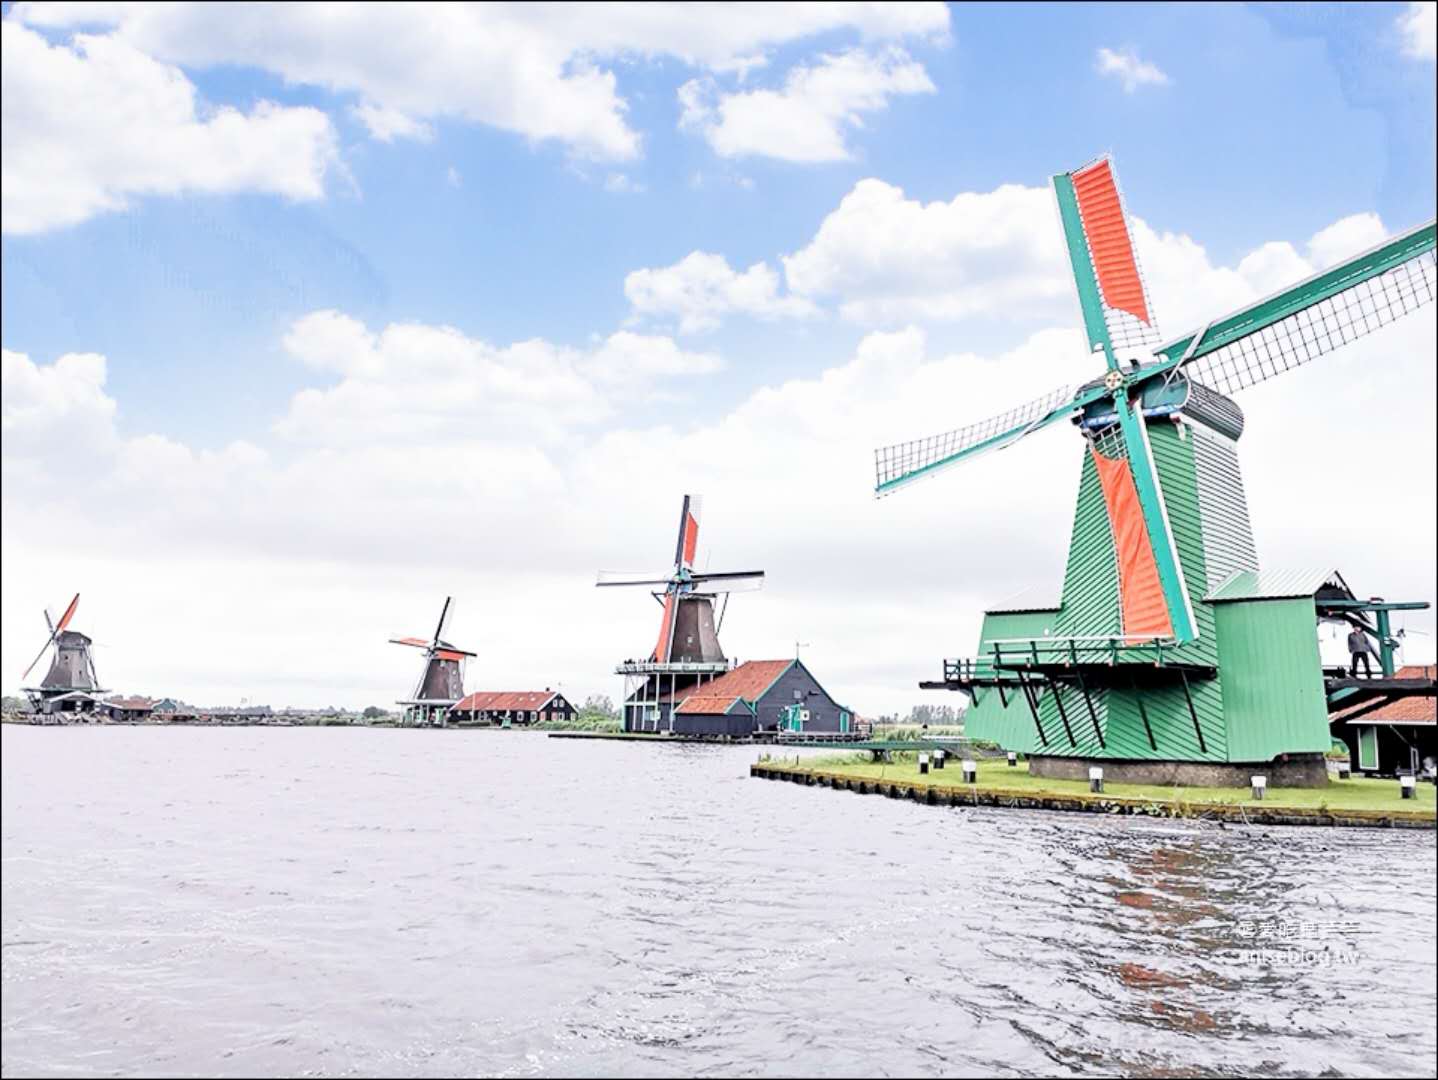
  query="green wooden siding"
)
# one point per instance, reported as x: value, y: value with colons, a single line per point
x: 1012, y: 727
x: 1090, y: 596
x: 1269, y: 697
x: 1227, y: 534
x: 1272, y: 678
x: 1091, y: 607
x: 1167, y: 709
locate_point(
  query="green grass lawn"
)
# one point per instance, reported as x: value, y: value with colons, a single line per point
x: 996, y: 775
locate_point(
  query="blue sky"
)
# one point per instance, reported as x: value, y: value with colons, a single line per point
x: 1233, y: 126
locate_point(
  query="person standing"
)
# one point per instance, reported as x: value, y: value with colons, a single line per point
x: 1359, y: 648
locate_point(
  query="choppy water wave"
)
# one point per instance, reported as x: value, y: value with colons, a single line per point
x: 334, y: 902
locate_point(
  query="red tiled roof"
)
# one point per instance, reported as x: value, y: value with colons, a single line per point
x: 130, y: 702
x: 748, y: 681
x: 1409, y: 710
x: 504, y: 700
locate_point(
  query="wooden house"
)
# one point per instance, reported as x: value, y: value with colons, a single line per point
x: 506, y: 707
x: 756, y: 696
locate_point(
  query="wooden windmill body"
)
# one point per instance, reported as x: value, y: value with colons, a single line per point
x: 70, y: 684
x: 441, y: 677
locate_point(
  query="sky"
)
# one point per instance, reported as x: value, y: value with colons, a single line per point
x: 315, y: 315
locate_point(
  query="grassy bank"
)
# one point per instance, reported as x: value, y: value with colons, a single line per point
x: 996, y: 777
x: 590, y: 722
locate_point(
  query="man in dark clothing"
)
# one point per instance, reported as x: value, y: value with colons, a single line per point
x: 1359, y: 648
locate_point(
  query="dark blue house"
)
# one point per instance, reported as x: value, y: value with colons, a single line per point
x: 760, y: 695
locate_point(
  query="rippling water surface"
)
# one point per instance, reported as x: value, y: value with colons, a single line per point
x: 335, y: 902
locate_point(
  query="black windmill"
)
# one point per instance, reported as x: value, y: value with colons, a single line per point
x: 70, y: 686
x: 441, y: 680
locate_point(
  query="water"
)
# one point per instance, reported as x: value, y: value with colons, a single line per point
x: 336, y: 902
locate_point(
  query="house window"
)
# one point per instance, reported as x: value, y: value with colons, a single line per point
x: 798, y: 695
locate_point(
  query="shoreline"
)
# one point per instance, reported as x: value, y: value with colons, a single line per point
x: 929, y: 791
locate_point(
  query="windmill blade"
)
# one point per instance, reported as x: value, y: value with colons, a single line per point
x: 69, y: 614
x: 418, y: 643
x: 443, y: 616
x: 1316, y: 316
x: 43, y: 649
x: 1153, y: 595
x: 621, y: 577
x: 730, y: 581
x: 1111, y: 290
x: 688, y: 541
x: 903, y: 463
x: 721, y: 588
x: 449, y: 652
x: 666, y: 631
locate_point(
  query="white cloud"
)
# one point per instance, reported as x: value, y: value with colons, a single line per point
x: 627, y: 357
x: 90, y: 125
x: 1418, y: 28
x: 1125, y: 66
x: 701, y: 289
x: 886, y: 258
x: 1345, y: 237
x: 387, y: 124
x: 413, y: 383
x: 532, y: 69
x: 452, y: 177
x: 807, y: 120
x: 68, y: 395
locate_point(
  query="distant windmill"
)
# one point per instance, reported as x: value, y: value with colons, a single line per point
x: 1165, y: 641
x: 687, y: 649
x: 71, y: 684
x: 441, y: 680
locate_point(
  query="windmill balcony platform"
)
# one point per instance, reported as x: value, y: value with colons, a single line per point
x: 673, y: 667
x: 1096, y: 661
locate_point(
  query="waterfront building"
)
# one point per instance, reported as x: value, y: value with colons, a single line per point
x: 507, y: 707
x: 1388, y: 735
x: 758, y: 696
x: 127, y: 710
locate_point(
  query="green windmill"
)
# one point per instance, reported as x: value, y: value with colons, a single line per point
x: 1168, y: 645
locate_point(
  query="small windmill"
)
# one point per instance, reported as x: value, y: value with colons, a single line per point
x: 71, y: 684
x: 1161, y: 536
x: 687, y: 649
x: 441, y: 679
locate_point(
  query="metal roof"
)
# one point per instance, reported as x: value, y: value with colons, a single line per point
x: 1274, y: 584
x: 1031, y: 598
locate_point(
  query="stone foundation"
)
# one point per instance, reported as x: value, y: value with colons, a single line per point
x: 1291, y: 770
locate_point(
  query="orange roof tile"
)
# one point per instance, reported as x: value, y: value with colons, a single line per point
x: 504, y: 700
x: 748, y: 681
x: 1409, y: 710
